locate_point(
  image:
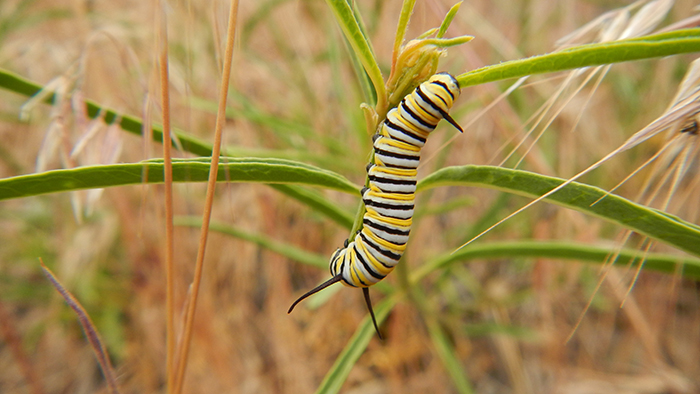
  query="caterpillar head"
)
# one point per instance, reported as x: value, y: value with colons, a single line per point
x: 447, y: 89
x: 449, y: 82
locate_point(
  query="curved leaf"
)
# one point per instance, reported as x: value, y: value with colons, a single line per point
x: 317, y: 202
x: 184, y: 170
x: 561, y: 250
x: 128, y: 123
x: 362, y: 48
x: 658, y: 45
x: 285, y: 249
x: 336, y: 376
x: 636, y: 217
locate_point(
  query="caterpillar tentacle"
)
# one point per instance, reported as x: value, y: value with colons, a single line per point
x: 389, y: 200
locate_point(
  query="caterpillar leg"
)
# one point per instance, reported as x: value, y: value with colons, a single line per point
x: 316, y: 289
x: 365, y: 291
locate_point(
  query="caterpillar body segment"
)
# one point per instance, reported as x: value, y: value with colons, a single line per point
x: 389, y: 198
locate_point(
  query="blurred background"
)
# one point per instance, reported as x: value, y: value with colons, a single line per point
x: 294, y: 95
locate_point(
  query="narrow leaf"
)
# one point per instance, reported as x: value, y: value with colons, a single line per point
x: 88, y: 328
x: 285, y: 249
x: 562, y: 250
x: 317, y: 202
x: 336, y: 376
x: 644, y: 220
x: 345, y: 17
x: 659, y: 45
x: 128, y: 123
x: 184, y: 170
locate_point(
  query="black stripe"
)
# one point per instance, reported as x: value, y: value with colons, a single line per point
x: 396, y: 155
x: 392, y: 216
x: 385, y: 228
x: 404, y: 131
x: 384, y: 205
x: 392, y: 181
x: 335, y: 255
x: 367, y: 266
x: 425, y: 98
x: 415, y: 116
x: 446, y: 89
x: 358, y: 278
x: 381, y: 250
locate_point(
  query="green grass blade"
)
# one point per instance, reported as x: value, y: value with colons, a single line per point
x: 659, y: 45
x: 647, y: 221
x: 361, y: 47
x: 17, y: 84
x: 665, y: 263
x: 448, y: 20
x: 446, y: 351
x: 336, y: 376
x: 318, y: 203
x: 561, y: 250
x: 184, y: 170
x: 285, y: 249
x: 402, y: 26
x: 441, y: 342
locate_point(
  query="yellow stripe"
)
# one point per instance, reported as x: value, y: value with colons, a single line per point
x: 399, y: 144
x: 381, y: 241
x: 410, y: 127
x: 401, y: 172
x: 392, y: 221
x: 375, y: 191
x: 358, y: 276
x: 427, y: 116
x: 379, y: 267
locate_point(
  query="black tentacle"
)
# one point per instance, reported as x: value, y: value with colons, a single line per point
x: 316, y: 289
x: 365, y: 291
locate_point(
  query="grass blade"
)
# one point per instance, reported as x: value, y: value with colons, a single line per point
x: 134, y: 125
x: 88, y: 328
x: 285, y: 249
x: 184, y: 170
x: 647, y: 47
x: 647, y: 221
x: 317, y: 202
x: 562, y: 250
x: 336, y: 376
x: 665, y: 263
x: 345, y: 17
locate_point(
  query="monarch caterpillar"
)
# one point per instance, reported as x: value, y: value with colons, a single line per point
x: 389, y: 199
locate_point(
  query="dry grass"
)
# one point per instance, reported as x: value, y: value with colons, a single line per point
x: 291, y: 63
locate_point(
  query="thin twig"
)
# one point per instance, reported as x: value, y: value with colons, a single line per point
x: 88, y: 327
x: 168, y: 184
x: 211, y: 185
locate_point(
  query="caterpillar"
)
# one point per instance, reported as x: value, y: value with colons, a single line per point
x: 389, y: 198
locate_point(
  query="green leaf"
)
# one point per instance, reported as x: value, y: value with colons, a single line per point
x: 448, y: 356
x: 561, y: 250
x: 184, y: 170
x: 448, y: 20
x: 647, y: 221
x: 285, y: 249
x: 402, y: 26
x: 441, y: 341
x: 317, y: 202
x: 128, y: 123
x: 336, y: 376
x: 345, y: 17
x: 659, y: 45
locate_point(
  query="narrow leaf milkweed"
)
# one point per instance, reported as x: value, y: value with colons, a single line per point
x: 389, y: 199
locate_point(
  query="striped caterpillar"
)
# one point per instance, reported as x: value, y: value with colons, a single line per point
x: 389, y: 199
